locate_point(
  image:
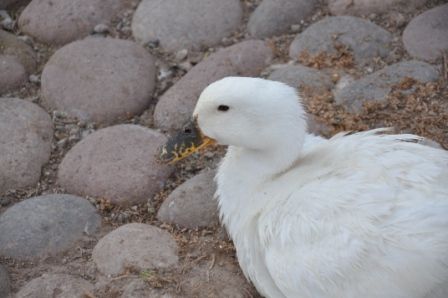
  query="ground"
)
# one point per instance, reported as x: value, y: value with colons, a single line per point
x: 424, y: 112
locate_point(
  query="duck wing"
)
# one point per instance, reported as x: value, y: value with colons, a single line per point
x: 367, y: 218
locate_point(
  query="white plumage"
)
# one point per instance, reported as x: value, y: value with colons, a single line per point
x: 360, y: 215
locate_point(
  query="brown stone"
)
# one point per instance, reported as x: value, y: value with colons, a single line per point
x: 56, y: 285
x: 60, y: 22
x: 26, y: 133
x: 175, y: 107
x: 367, y: 7
x: 426, y: 36
x: 99, y: 79
x: 273, y: 17
x: 10, y: 45
x: 179, y: 24
x: 117, y: 163
x: 12, y: 73
x: 192, y: 204
x: 138, y: 246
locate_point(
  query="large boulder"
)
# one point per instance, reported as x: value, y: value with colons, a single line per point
x: 376, y: 86
x: 60, y: 22
x: 135, y: 245
x: 26, y: 132
x: 46, y: 225
x: 117, y: 163
x: 363, y: 38
x: 99, y: 79
x: 273, y: 17
x: 175, y: 107
x: 426, y: 36
x: 192, y: 204
x: 367, y: 7
x: 179, y: 24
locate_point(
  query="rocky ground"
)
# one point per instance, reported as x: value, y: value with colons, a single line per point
x: 89, y: 91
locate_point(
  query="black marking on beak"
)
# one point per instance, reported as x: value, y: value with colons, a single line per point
x: 183, y: 144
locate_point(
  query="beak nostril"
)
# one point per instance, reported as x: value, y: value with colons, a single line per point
x: 223, y: 108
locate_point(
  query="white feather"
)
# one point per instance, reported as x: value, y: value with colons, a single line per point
x: 358, y: 215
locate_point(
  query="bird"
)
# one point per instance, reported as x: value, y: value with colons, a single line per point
x: 361, y: 214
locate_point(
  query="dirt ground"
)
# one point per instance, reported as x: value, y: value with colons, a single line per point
x: 424, y: 112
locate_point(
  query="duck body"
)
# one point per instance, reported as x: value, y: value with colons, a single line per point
x: 362, y: 215
x: 358, y: 215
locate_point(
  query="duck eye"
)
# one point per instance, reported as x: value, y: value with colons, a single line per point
x: 187, y: 130
x: 223, y: 108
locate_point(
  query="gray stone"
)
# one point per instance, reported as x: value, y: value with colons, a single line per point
x: 426, y: 36
x: 192, y: 204
x: 12, y: 73
x: 135, y: 245
x: 309, y: 79
x: 376, y: 86
x: 17, y: 60
x: 6, y: 22
x: 132, y: 286
x: 365, y: 39
x: 397, y: 19
x: 273, y: 17
x: 56, y: 285
x: 8, y: 3
x: 5, y: 201
x: 26, y: 133
x: 175, y: 107
x: 223, y: 280
x: 99, y: 79
x: 300, y: 77
x: 10, y: 45
x: 318, y: 127
x: 60, y: 22
x: 5, y: 288
x: 179, y: 24
x: 46, y: 225
x: 101, y: 28
x: 138, y: 288
x: 117, y: 163
x: 367, y: 7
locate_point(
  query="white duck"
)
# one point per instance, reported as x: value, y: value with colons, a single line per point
x: 358, y: 215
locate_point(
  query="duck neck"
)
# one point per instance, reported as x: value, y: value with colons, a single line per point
x: 244, y: 172
x: 273, y: 161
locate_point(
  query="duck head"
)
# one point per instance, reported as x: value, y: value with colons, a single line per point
x: 250, y: 113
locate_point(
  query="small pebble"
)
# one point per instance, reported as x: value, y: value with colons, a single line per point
x: 343, y: 82
x: 181, y: 55
x: 26, y: 39
x: 126, y: 29
x: 6, y: 21
x: 185, y: 65
x: 101, y: 28
x: 164, y: 72
x: 397, y: 19
x: 35, y: 79
x: 295, y: 28
x: 154, y: 43
x: 8, y: 24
